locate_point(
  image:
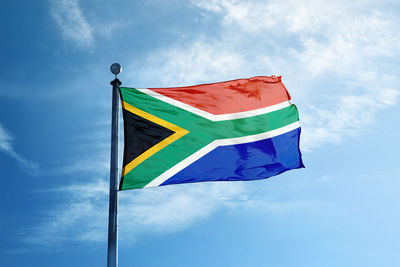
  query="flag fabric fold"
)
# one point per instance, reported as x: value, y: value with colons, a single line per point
x: 245, y: 129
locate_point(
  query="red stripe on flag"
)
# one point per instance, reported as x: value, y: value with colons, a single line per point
x: 231, y: 96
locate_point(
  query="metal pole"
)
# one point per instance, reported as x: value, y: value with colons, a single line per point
x: 112, y: 256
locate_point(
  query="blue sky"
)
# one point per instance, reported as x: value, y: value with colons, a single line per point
x: 338, y: 59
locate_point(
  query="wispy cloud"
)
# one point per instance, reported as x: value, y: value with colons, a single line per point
x: 352, y: 114
x: 165, y: 209
x: 199, y: 61
x: 6, y: 146
x: 337, y: 58
x: 5, y: 139
x: 74, y: 26
x: 83, y: 216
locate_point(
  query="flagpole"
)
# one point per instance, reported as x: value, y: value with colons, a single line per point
x: 112, y: 256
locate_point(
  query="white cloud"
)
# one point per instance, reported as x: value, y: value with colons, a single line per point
x: 82, y: 217
x: 352, y: 114
x: 336, y: 57
x: 280, y: 17
x: 337, y: 60
x: 6, y: 140
x: 107, y: 30
x: 94, y: 165
x: 68, y: 16
x: 172, y: 208
x: 199, y: 61
x: 352, y: 45
x: 85, y: 215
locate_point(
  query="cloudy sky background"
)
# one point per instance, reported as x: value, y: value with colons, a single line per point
x: 340, y: 62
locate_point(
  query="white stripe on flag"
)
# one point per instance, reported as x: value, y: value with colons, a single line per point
x: 212, y: 117
x: 221, y: 142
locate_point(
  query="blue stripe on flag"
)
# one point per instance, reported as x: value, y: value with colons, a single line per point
x: 243, y: 162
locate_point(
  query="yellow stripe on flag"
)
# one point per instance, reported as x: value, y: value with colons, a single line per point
x: 179, y: 132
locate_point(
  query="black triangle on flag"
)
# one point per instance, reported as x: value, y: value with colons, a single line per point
x: 143, y: 133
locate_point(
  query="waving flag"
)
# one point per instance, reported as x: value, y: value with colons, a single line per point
x: 244, y: 129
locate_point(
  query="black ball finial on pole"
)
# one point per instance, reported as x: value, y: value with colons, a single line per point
x: 116, y: 69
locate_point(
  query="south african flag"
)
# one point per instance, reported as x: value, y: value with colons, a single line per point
x: 245, y: 129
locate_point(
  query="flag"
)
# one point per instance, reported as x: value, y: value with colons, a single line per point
x: 245, y: 129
